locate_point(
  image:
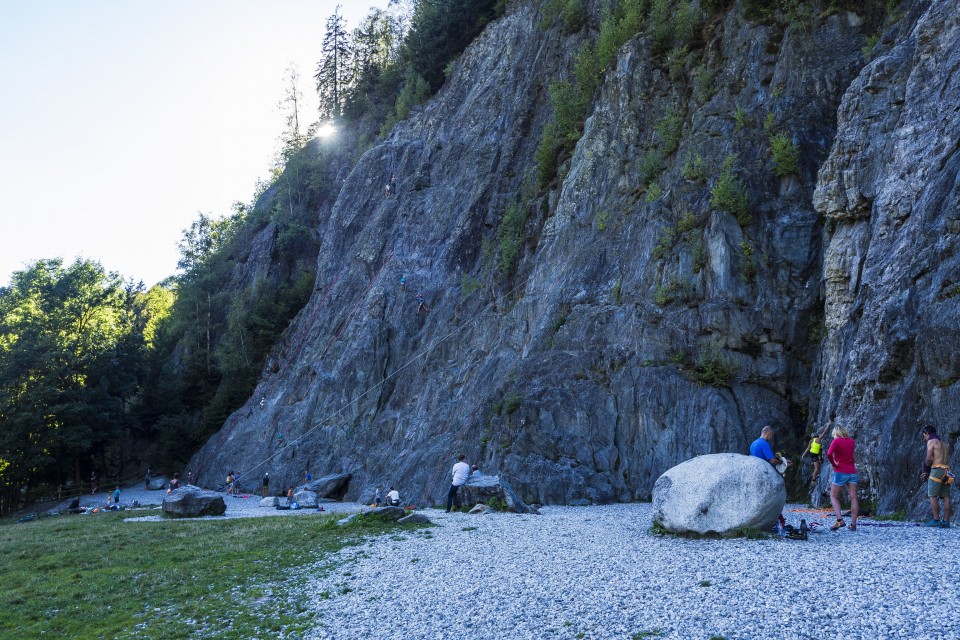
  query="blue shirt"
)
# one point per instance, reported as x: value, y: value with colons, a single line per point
x: 762, y: 449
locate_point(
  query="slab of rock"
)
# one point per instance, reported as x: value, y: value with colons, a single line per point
x: 481, y: 509
x: 333, y: 486
x: 415, y: 518
x: 481, y: 488
x: 307, y: 499
x: 270, y: 501
x: 192, y: 502
x: 718, y: 493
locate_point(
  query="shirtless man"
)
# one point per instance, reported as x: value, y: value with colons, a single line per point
x: 935, y: 473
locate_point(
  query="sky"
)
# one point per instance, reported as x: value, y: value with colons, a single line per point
x: 123, y: 120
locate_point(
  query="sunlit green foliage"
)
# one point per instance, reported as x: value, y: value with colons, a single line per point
x: 510, y: 235
x: 71, y: 339
x: 729, y: 193
x: 786, y: 156
x: 572, y: 100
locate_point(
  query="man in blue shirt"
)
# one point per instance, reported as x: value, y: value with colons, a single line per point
x: 761, y: 447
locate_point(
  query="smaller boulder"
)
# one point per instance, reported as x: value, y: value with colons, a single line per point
x: 415, y: 518
x: 271, y: 501
x: 307, y: 499
x: 481, y: 509
x: 333, y: 486
x: 481, y: 489
x: 191, y: 502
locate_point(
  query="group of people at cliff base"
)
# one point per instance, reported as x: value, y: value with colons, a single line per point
x: 840, y: 454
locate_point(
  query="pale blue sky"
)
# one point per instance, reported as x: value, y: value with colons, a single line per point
x: 121, y: 120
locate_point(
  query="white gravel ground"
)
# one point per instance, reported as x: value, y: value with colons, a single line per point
x: 597, y: 572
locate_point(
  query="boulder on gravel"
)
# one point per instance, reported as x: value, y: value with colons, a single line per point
x: 270, y: 501
x: 718, y: 493
x: 193, y: 502
x: 480, y: 489
x: 307, y: 499
x: 415, y: 518
x: 333, y: 486
x: 481, y: 509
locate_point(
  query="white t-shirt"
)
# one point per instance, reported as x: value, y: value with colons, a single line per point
x: 461, y: 471
x: 394, y: 495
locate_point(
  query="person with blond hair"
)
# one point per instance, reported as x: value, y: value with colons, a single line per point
x: 840, y: 455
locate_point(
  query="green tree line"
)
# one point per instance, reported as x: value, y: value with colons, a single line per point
x: 101, y: 375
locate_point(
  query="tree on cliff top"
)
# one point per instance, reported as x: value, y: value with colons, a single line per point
x: 441, y: 29
x: 333, y: 70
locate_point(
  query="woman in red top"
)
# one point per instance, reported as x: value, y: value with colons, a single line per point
x: 840, y: 455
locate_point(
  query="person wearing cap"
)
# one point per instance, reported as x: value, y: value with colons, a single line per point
x: 266, y: 484
x: 460, y: 473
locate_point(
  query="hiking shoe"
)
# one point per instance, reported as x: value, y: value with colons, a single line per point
x: 933, y: 523
x: 837, y: 525
x: 944, y: 524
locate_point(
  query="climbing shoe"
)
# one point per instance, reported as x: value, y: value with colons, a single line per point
x: 837, y: 525
x: 852, y: 527
x: 944, y: 524
x: 933, y: 523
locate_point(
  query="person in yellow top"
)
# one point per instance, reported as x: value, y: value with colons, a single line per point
x: 815, y: 449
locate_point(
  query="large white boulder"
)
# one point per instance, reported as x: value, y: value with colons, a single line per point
x: 718, y: 493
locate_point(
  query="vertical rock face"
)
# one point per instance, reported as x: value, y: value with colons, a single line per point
x: 642, y: 324
x: 890, y: 362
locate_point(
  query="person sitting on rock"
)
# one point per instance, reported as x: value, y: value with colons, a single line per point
x: 393, y: 498
x: 174, y: 484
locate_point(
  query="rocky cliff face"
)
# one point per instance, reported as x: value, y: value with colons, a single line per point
x: 645, y: 322
x: 890, y: 191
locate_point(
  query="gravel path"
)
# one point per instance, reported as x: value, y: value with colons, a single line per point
x: 597, y: 572
x: 241, y: 506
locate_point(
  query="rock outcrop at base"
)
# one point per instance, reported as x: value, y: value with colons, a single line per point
x: 306, y: 499
x: 482, y: 489
x: 333, y: 486
x: 718, y: 493
x: 193, y: 502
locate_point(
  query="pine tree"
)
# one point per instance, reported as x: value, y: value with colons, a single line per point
x: 333, y: 71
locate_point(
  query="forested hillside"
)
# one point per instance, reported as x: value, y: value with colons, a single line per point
x: 184, y: 355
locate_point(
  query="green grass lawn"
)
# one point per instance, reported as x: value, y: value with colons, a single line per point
x: 99, y: 577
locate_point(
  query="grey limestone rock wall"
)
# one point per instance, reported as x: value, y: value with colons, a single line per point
x: 890, y: 190
x: 642, y: 326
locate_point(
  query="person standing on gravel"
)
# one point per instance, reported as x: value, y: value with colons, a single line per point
x: 460, y: 473
x: 936, y: 473
x: 266, y: 484
x: 840, y: 455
